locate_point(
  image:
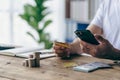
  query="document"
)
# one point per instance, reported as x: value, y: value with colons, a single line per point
x: 24, y: 52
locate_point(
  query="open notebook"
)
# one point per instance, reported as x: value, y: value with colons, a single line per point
x: 6, y: 46
x: 24, y: 52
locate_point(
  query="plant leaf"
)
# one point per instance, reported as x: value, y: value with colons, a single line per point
x: 39, y: 2
x: 30, y: 34
x: 46, y: 23
x: 24, y: 16
x: 33, y: 23
x: 34, y: 15
x: 30, y: 9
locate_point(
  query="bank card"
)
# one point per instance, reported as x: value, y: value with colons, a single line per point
x: 69, y: 64
x: 61, y: 44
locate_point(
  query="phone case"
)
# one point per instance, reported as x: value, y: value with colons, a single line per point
x: 86, y: 36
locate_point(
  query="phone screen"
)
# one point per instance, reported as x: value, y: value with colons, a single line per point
x: 86, y: 36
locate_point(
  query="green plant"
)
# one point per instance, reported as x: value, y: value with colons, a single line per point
x: 35, y: 16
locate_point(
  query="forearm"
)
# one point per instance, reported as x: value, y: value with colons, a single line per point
x: 95, y: 29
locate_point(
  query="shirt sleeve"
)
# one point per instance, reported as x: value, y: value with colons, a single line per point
x: 98, y: 19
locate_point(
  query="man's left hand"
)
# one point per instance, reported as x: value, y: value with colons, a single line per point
x: 103, y: 50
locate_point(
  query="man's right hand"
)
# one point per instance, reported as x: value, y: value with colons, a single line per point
x: 62, y: 49
x: 67, y: 49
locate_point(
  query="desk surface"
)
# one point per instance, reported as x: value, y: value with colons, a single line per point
x: 52, y: 69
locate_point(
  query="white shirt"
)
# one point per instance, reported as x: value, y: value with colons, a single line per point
x: 108, y: 18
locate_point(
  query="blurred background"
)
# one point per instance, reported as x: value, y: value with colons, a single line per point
x: 66, y: 16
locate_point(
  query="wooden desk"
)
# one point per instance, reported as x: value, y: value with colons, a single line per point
x: 52, y: 69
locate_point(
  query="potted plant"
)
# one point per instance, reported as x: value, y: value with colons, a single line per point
x: 35, y: 16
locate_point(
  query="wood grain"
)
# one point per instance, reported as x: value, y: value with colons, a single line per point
x: 53, y: 69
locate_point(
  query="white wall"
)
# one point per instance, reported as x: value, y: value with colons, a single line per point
x: 58, y: 26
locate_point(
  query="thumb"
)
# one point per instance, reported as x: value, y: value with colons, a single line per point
x: 100, y: 38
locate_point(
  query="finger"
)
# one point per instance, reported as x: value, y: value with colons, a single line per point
x: 83, y: 43
x: 90, y: 51
x: 85, y: 50
x: 100, y: 38
x: 83, y: 46
x: 58, y: 52
x: 68, y: 52
x: 61, y: 54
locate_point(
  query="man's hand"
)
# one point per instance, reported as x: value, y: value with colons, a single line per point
x: 103, y: 50
x: 63, y: 51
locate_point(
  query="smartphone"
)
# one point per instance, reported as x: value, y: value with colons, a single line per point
x: 86, y: 36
